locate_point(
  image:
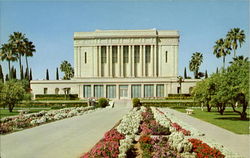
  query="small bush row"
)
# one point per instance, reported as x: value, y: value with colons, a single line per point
x: 52, y: 104
x: 170, y: 104
x: 56, y: 97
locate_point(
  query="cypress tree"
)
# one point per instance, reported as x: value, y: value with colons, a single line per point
x: 6, y: 77
x: 14, y: 73
x: 21, y: 73
x: 185, y: 73
x: 57, y: 74
x: 1, y: 74
x: 30, y: 74
x: 47, y: 74
x: 206, y: 75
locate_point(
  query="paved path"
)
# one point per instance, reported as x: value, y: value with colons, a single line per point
x: 236, y: 143
x: 67, y: 138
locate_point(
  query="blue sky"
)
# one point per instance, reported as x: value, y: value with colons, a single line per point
x: 50, y: 25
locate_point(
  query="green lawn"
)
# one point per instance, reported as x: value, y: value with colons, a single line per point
x: 5, y: 112
x: 229, y: 120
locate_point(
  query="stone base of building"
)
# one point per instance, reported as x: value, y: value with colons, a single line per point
x: 114, y: 88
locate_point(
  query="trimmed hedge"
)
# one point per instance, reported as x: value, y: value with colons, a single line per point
x: 179, y: 95
x: 179, y: 98
x: 170, y: 104
x: 52, y: 104
x: 57, y: 97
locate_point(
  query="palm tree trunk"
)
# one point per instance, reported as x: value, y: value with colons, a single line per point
x: 27, y: 65
x: 234, y: 53
x: 20, y: 63
x: 9, y: 66
x: 224, y: 62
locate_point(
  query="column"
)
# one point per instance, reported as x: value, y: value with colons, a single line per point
x: 133, y: 61
x: 143, y: 60
x: 155, y: 90
x: 79, y: 62
x: 92, y: 91
x: 105, y: 91
x: 95, y: 62
x: 142, y: 90
x: 122, y: 63
x: 111, y: 62
x: 75, y: 61
x: 117, y: 92
x: 155, y: 61
x: 100, y: 60
x: 151, y: 66
x: 140, y: 67
x: 119, y: 60
x: 176, y: 60
x: 165, y: 90
x: 108, y: 60
x: 129, y: 61
x: 129, y: 91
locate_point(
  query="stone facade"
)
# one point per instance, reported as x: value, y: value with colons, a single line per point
x: 122, y: 64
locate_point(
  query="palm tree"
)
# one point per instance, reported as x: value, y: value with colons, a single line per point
x: 236, y: 37
x: 221, y: 49
x: 8, y: 54
x: 28, y: 50
x: 239, y: 60
x: 17, y: 40
x: 195, y: 62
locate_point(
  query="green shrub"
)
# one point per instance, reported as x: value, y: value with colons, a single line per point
x: 170, y: 104
x: 57, y: 97
x: 136, y: 102
x: 103, y: 102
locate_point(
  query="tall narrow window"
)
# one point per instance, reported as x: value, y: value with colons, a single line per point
x: 45, y: 91
x: 147, y: 54
x: 103, y: 55
x: 114, y: 54
x: 137, y: 54
x: 166, y: 56
x: 125, y: 54
x: 85, y: 57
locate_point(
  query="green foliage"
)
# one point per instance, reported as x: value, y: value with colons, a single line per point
x: 103, y: 102
x: 226, y: 88
x: 236, y: 37
x: 1, y: 74
x: 67, y: 69
x: 12, y: 93
x: 221, y: 49
x: 136, y: 102
x: 169, y: 104
x: 195, y: 62
x: 56, y: 97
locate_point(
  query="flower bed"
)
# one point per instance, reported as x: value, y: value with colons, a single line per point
x: 147, y: 133
x: 15, y: 123
x: 204, y: 150
x: 107, y: 147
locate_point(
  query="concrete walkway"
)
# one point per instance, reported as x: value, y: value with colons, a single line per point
x: 67, y: 138
x: 235, y: 142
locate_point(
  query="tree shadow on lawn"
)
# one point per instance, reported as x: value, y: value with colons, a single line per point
x: 232, y: 118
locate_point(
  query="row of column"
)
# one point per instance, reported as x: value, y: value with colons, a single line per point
x: 141, y: 67
x: 166, y: 86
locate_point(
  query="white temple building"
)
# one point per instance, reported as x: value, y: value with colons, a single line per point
x: 121, y: 64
